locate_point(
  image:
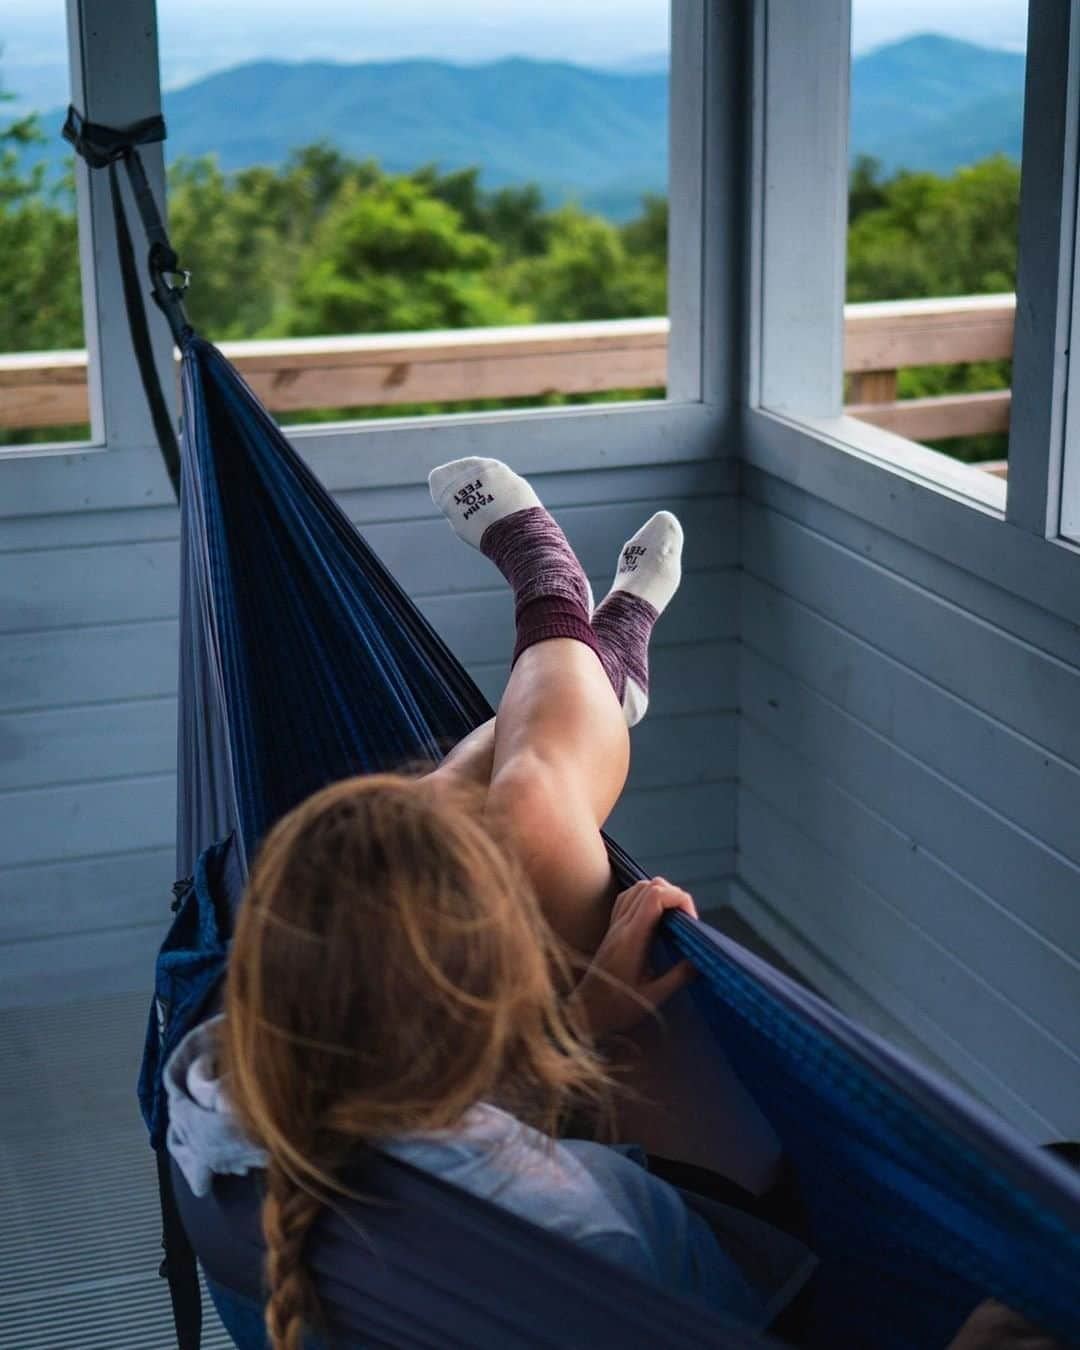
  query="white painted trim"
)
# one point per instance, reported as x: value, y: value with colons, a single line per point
x: 723, y: 176
x: 612, y: 435
x: 419, y: 346
x: 840, y: 461
x: 796, y: 209
x: 1070, y: 435
x: 798, y: 202
x: 1070, y: 431
x: 753, y: 206
x: 88, y: 212
x: 897, y: 454
x: 1044, y: 282
x: 687, y: 115
x: 399, y: 451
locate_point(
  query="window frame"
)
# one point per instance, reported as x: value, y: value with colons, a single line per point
x: 113, y: 54
x: 1064, y: 265
x: 793, y: 425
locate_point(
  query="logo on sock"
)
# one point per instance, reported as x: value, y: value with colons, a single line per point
x: 631, y: 556
x: 472, y: 497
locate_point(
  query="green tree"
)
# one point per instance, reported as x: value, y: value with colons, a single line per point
x: 39, y: 250
x: 327, y: 244
x: 938, y: 236
x: 932, y: 236
x: 646, y: 241
x: 391, y: 257
x: 244, y: 236
x: 513, y: 218
x: 587, y: 272
x: 866, y: 191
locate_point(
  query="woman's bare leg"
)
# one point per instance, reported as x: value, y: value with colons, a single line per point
x: 553, y: 763
x: 561, y: 753
x: 471, y: 760
x: 560, y: 750
x: 556, y: 756
x: 561, y: 756
x: 556, y: 761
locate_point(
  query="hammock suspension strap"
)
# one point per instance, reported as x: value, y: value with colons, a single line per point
x: 104, y: 148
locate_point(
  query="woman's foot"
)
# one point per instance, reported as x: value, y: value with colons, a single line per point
x: 474, y: 493
x: 495, y: 510
x: 647, y: 576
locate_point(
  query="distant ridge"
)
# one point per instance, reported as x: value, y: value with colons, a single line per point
x: 600, y: 136
x: 932, y: 102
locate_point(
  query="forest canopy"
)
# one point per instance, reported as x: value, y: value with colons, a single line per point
x: 325, y: 244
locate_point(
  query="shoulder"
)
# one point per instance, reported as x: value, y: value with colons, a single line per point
x: 497, y: 1157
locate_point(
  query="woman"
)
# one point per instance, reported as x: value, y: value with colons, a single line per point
x: 402, y: 974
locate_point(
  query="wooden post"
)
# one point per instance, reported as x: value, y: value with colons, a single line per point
x: 873, y: 386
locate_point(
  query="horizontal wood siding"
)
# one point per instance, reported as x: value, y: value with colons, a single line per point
x: 909, y: 792
x: 88, y: 661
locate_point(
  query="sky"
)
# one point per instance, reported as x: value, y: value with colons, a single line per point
x: 992, y: 23
x: 198, y: 36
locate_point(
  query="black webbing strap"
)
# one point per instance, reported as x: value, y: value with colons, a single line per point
x: 140, y: 338
x: 100, y: 145
x: 105, y: 147
x: 178, y: 1265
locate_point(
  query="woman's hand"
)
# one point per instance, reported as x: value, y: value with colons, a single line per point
x: 619, y: 990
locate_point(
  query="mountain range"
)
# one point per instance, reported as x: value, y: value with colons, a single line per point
x: 600, y: 136
x: 935, y: 103
x: 596, y: 135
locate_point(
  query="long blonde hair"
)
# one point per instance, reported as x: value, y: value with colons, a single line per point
x: 390, y: 969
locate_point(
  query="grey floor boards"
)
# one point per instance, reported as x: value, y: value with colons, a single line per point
x: 79, y: 1242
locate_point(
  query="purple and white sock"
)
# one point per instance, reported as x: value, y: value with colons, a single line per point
x: 495, y: 510
x: 648, y: 575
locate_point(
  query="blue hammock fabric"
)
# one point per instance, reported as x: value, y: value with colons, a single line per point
x: 304, y: 662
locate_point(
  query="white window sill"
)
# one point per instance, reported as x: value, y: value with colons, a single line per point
x: 951, y: 510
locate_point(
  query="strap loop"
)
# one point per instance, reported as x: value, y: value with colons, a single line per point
x: 100, y: 145
x: 164, y: 426
x: 106, y: 147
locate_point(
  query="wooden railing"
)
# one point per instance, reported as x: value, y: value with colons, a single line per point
x: 43, y: 389
x: 881, y: 338
x: 298, y: 374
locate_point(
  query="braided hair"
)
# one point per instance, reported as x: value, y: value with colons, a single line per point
x: 289, y: 1211
x: 390, y: 970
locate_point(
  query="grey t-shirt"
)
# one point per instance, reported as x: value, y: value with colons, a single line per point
x: 600, y: 1197
x: 604, y: 1199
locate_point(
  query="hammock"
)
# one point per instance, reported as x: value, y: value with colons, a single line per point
x: 302, y: 662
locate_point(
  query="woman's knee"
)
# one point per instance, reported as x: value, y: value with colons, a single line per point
x: 528, y: 801
x: 535, y: 811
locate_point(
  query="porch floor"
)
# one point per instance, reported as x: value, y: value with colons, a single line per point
x: 80, y: 1240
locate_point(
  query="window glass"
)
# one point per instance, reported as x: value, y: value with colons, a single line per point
x: 42, y: 356
x: 936, y: 116
x: 423, y: 170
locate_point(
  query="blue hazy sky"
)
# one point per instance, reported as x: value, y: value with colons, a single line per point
x: 198, y: 36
